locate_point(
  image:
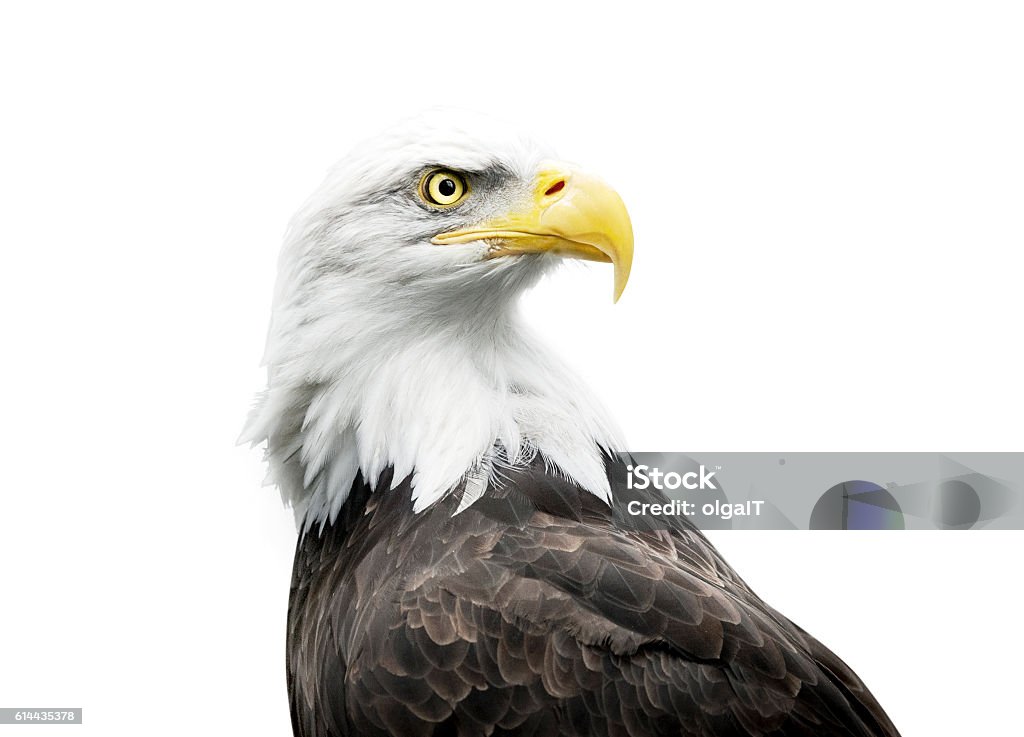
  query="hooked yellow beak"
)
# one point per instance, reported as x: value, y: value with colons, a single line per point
x: 571, y: 214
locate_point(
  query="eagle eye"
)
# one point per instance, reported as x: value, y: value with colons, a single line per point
x: 443, y: 188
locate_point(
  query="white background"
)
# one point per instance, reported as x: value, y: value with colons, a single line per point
x: 827, y: 203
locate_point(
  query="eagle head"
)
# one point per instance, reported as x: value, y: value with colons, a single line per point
x: 394, y: 340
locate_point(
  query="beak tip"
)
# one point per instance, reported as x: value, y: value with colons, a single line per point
x: 621, y: 277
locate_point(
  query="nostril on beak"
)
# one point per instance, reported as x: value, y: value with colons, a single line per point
x: 555, y: 188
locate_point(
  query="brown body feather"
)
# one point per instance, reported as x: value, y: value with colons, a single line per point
x: 538, y: 611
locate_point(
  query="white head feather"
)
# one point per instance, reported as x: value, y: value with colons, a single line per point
x: 386, y: 350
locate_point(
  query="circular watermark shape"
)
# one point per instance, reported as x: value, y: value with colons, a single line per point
x: 857, y: 505
x: 955, y: 506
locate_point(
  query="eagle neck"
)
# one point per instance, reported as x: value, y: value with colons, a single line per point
x: 434, y: 397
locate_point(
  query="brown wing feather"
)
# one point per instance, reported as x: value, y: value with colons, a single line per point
x: 534, y: 613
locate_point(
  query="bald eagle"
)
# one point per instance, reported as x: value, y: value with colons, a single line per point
x: 459, y: 571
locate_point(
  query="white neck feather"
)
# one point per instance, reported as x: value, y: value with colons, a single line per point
x: 429, y: 396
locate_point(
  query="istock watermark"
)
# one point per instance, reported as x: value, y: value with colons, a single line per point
x: 820, y: 491
x: 645, y: 477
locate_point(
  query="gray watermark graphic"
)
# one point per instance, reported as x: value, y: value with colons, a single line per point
x: 823, y: 491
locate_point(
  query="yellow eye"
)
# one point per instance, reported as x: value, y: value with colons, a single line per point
x: 443, y: 188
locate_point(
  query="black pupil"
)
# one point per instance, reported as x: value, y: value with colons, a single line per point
x: 446, y: 187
